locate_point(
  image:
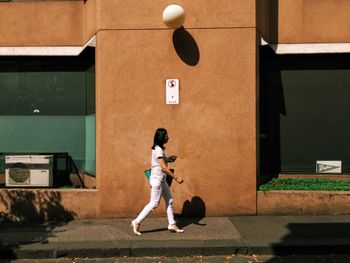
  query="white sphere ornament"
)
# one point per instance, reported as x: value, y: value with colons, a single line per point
x: 174, y: 16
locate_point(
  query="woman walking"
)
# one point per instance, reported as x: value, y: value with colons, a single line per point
x: 159, y: 186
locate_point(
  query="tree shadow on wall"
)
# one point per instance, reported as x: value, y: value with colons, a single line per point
x: 27, y: 217
x: 192, y: 212
x: 186, y: 47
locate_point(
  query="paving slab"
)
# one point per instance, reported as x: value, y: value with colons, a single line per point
x: 114, y: 237
x: 244, y: 235
x: 279, y: 235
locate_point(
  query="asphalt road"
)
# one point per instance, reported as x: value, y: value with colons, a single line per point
x: 198, y: 259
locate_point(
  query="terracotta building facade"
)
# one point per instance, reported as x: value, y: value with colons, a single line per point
x: 225, y: 57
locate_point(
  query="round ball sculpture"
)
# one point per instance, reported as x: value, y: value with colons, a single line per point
x: 174, y: 16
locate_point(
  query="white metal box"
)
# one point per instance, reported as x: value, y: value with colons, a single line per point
x: 29, y: 170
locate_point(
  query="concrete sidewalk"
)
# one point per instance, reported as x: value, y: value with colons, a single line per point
x: 247, y: 235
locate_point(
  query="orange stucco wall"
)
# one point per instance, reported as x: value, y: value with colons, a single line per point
x: 303, y: 203
x: 135, y: 14
x: 304, y: 21
x: 212, y: 130
x: 41, y: 23
x: 91, y: 19
x: 47, y: 204
x: 320, y: 21
x: 267, y: 19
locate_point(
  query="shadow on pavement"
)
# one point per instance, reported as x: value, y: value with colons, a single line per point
x: 155, y: 230
x: 313, y: 239
x: 192, y: 212
x: 27, y: 217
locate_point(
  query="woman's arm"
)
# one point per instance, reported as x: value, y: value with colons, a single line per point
x: 168, y: 172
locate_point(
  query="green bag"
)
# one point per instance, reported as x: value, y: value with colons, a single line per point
x: 169, y: 179
x: 148, y: 173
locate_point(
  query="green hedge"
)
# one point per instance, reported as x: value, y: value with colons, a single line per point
x: 310, y: 184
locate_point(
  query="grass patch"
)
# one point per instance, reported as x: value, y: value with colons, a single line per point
x: 309, y: 184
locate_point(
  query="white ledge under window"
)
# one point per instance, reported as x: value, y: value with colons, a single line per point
x: 309, y: 48
x: 47, y: 51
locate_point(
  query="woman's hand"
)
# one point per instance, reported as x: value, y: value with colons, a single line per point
x: 179, y: 180
x: 165, y: 169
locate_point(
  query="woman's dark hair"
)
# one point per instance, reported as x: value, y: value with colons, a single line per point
x: 159, y: 138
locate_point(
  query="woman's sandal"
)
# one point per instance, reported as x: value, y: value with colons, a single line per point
x: 135, y: 226
x: 174, y: 228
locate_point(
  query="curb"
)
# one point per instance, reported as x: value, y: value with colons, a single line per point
x: 170, y: 248
x: 137, y: 248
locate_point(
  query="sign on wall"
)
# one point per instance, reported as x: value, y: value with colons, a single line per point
x: 172, y: 91
x: 328, y: 166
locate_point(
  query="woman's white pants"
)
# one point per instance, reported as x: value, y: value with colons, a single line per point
x: 158, y: 189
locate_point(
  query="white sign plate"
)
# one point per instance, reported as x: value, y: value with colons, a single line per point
x: 172, y: 91
x: 328, y: 166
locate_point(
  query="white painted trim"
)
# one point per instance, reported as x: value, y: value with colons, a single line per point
x: 308, y: 48
x: 47, y: 51
x: 263, y: 42
x: 311, y: 48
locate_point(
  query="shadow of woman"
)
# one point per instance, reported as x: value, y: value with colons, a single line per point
x: 192, y: 212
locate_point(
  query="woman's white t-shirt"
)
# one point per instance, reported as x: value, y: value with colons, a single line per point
x: 156, y: 171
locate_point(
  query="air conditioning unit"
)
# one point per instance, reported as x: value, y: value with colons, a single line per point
x: 29, y: 170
